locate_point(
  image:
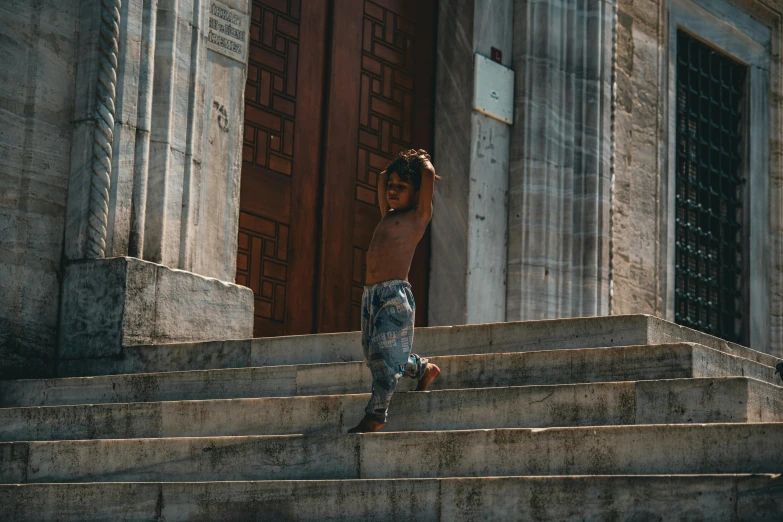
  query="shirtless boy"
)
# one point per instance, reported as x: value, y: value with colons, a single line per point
x: 405, y: 197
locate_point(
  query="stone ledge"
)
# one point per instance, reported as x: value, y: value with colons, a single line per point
x: 590, y: 450
x: 633, y: 363
x: 523, y: 336
x: 108, y: 304
x: 668, y: 401
x: 470, y: 499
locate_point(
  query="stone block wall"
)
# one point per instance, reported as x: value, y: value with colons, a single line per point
x: 471, y: 150
x: 109, y: 304
x: 560, y: 160
x: 38, y: 49
x: 176, y: 158
x: 175, y: 152
x: 640, y: 265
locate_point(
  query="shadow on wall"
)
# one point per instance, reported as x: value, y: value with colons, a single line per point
x: 26, y: 352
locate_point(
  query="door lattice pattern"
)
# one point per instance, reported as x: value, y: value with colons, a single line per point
x: 708, y: 250
x: 386, y: 105
x: 262, y: 258
x: 271, y: 85
x: 270, y: 103
x: 385, y: 115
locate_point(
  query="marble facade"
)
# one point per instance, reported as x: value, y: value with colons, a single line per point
x: 177, y: 149
x: 560, y: 165
x: 641, y: 265
x: 587, y: 214
x: 37, y: 89
x: 171, y: 154
x: 562, y: 214
x: 469, y: 225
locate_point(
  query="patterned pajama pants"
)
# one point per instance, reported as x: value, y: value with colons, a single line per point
x: 388, y: 311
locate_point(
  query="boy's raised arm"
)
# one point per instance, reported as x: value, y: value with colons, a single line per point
x: 428, y: 177
x: 383, y: 203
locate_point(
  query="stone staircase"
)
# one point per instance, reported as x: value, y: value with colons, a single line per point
x: 612, y: 418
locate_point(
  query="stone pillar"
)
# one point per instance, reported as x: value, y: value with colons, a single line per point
x: 155, y: 166
x: 39, y: 47
x: 177, y: 135
x: 561, y: 159
x: 468, y: 257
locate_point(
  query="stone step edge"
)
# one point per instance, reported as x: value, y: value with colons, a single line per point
x: 610, y: 450
x: 293, y: 380
x: 589, y: 332
x: 698, y: 400
x: 97, y: 405
x: 748, y: 496
x: 434, y: 358
x: 87, y: 378
x: 403, y: 479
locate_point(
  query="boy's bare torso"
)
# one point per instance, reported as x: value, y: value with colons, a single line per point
x: 393, y: 245
x: 405, y: 213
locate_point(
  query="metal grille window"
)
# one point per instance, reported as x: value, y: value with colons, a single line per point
x: 708, y: 249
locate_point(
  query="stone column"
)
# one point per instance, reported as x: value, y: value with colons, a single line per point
x: 177, y: 135
x: 154, y: 186
x: 39, y: 47
x: 468, y: 257
x: 561, y: 159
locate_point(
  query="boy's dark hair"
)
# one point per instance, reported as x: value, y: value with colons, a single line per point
x: 408, y: 168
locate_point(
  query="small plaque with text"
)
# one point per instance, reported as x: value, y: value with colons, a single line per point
x: 227, y: 31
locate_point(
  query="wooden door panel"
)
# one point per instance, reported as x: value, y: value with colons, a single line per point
x: 308, y: 197
x: 278, y: 196
x: 422, y: 132
x: 262, y: 266
x: 340, y: 159
x: 265, y: 193
x: 306, y: 194
x: 379, y: 68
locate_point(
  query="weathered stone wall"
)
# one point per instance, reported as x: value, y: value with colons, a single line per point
x: 174, y: 196
x: 638, y: 271
x: 453, y: 88
x: 489, y: 163
x: 38, y: 48
x: 469, y: 226
x: 192, y: 206
x: 109, y: 304
x: 560, y: 160
x: 175, y: 141
x: 776, y: 180
x: 640, y: 265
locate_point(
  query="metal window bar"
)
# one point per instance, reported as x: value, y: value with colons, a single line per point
x: 709, y: 184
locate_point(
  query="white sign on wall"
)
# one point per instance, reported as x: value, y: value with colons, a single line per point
x: 493, y: 86
x: 227, y: 32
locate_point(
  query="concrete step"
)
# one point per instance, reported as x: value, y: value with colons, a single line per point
x: 721, y: 400
x: 716, y: 498
x: 604, y: 450
x: 523, y: 336
x: 669, y: 361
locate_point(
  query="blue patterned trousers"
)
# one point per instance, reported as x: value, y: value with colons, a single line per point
x: 388, y: 311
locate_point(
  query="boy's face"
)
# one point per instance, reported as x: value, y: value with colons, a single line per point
x: 400, y: 194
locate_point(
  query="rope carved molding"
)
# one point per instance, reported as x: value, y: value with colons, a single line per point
x: 103, y: 137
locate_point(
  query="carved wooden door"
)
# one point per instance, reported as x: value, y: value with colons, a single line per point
x: 281, y: 164
x: 315, y: 141
x: 380, y: 101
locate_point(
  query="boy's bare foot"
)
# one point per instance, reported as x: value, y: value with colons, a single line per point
x: 367, y: 425
x: 430, y: 374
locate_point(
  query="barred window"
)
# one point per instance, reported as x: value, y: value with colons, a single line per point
x: 709, y: 190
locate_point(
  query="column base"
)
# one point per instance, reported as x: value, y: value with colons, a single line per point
x: 111, y: 303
